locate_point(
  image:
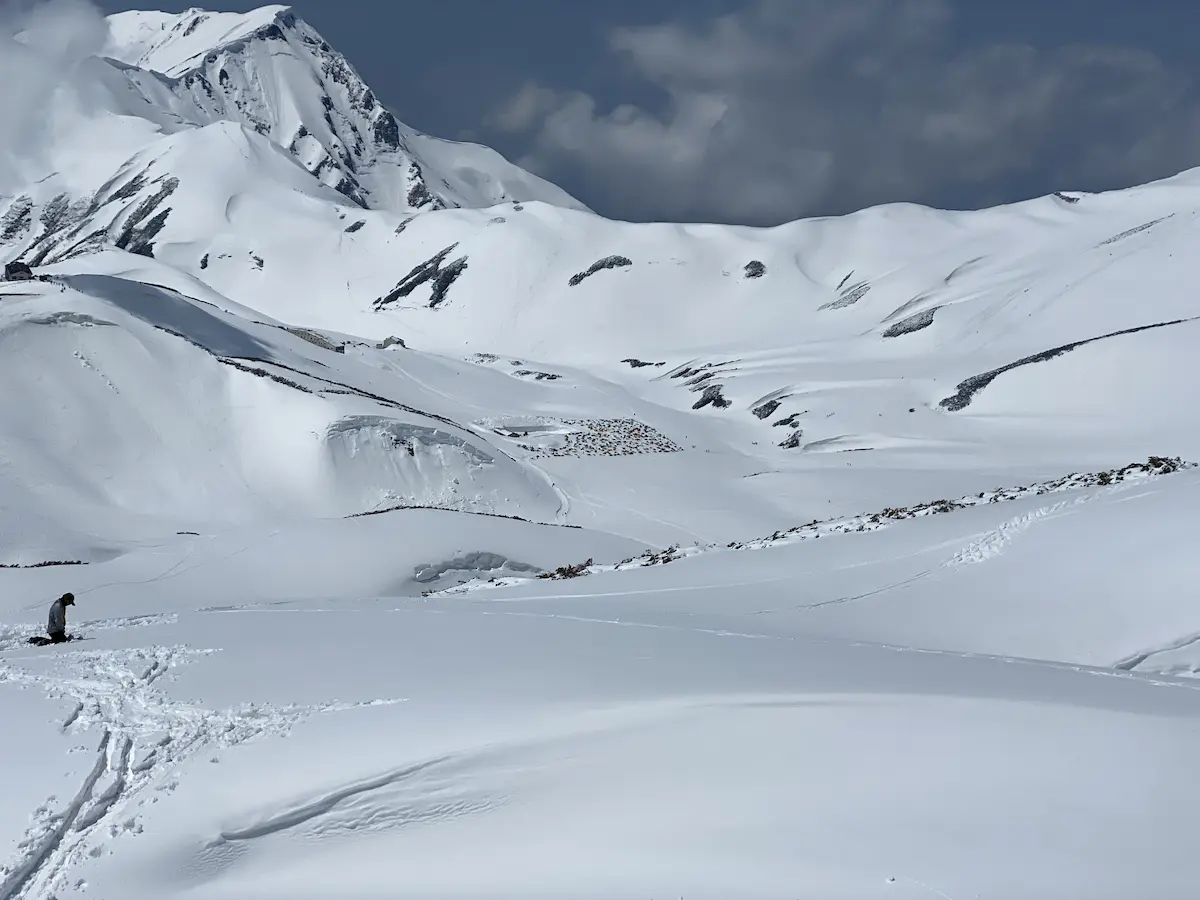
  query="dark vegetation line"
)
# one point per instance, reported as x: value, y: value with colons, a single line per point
x: 466, y: 512
x: 976, y: 383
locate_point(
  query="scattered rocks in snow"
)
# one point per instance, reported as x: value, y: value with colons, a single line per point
x: 1154, y: 466
x: 1132, y: 231
x: 915, y: 322
x: 608, y: 262
x: 403, y: 225
x: 970, y: 387
x: 958, y: 270
x: 204, y: 262
x: 258, y: 261
x: 792, y: 441
x: 356, y: 226
x: 553, y: 437
x: 517, y: 207
x: 498, y: 220
x: 712, y: 395
x: 316, y: 339
x: 69, y: 317
x: 690, y: 372
x: 1065, y: 197
x: 842, y: 283
x: 391, y: 341
x: 485, y: 358
x: 574, y: 570
x: 260, y: 373
x: 755, y: 269
x: 540, y: 376
x: 639, y: 363
x: 442, y: 276
x: 42, y: 565
x: 788, y: 421
x: 849, y: 296
x: 766, y: 409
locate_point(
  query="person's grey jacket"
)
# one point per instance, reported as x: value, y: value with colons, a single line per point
x: 58, y: 618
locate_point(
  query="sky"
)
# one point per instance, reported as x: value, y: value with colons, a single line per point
x: 763, y: 111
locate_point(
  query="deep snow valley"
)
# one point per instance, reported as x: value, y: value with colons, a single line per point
x: 434, y: 536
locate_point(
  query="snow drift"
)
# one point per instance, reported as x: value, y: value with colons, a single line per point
x: 413, y: 509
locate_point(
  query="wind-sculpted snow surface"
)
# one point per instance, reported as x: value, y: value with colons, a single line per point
x: 404, y: 516
x: 144, y: 737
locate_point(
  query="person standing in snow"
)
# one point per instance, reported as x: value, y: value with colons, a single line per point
x: 57, y: 626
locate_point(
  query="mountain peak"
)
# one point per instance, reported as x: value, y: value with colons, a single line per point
x: 275, y: 74
x: 175, y: 44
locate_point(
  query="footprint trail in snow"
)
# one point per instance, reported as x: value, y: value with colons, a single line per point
x: 144, y: 738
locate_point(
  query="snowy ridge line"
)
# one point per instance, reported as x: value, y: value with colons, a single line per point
x: 1137, y: 660
x: 238, y: 362
x: 1155, y: 466
x: 468, y: 512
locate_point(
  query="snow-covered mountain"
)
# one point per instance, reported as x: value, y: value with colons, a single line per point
x: 418, y: 514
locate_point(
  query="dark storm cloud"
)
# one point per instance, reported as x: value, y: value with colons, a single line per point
x: 797, y: 107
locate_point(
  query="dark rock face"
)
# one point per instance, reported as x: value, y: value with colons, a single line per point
x: 913, y: 323
x: 712, y: 395
x: 140, y: 230
x: 350, y: 229
x: 848, y: 296
x: 766, y: 409
x: 755, y: 269
x: 419, y: 196
x: 792, y: 441
x: 533, y: 373
x: 787, y: 421
x: 387, y: 131
x: 17, y: 220
x: 970, y: 387
x: 1130, y: 232
x: 204, y: 261
x: 442, y: 276
x: 641, y: 363
x: 194, y: 24
x: 608, y: 262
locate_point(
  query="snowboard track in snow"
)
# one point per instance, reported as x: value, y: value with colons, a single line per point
x: 146, y: 737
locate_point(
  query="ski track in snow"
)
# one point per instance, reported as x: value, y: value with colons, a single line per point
x: 145, y: 738
x: 13, y: 637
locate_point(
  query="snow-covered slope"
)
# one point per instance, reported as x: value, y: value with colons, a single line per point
x: 417, y: 514
x: 270, y: 71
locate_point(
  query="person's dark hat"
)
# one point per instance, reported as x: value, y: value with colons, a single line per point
x: 68, y: 599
